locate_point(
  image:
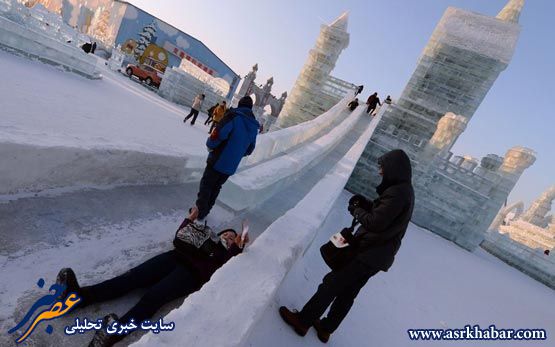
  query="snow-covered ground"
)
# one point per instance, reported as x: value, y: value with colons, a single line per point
x: 58, y: 129
x: 42, y: 105
x: 432, y: 284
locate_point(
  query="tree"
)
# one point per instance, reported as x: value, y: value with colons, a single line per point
x: 144, y: 39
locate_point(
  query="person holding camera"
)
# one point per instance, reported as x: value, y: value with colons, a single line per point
x: 371, y: 249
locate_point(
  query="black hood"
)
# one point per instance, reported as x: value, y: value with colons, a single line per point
x: 396, y: 169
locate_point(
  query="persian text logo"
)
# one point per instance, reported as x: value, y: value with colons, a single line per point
x: 57, y: 307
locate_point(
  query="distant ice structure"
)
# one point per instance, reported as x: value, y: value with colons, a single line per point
x: 263, y: 97
x: 315, y: 91
x: 456, y: 197
x: 38, y: 33
x: 527, y: 242
x: 181, y: 87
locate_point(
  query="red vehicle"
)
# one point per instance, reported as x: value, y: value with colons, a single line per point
x: 145, y: 73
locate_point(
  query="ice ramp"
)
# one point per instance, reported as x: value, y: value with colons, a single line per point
x: 253, y: 185
x: 239, y: 293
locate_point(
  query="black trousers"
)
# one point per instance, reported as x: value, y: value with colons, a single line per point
x: 165, y: 277
x: 369, y: 110
x: 210, y: 186
x: 212, y: 126
x: 338, y: 289
x: 208, y: 120
x: 194, y: 114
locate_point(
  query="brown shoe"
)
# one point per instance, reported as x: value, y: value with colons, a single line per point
x: 292, y: 318
x: 323, y: 335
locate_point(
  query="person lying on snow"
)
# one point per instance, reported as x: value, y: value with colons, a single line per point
x: 198, y: 253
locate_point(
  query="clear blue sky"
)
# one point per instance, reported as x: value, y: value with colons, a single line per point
x: 387, y: 37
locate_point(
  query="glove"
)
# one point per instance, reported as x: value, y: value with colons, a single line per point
x: 349, y: 237
x: 354, y: 202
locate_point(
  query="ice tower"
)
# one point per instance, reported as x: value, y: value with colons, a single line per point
x: 457, y: 197
x: 303, y: 101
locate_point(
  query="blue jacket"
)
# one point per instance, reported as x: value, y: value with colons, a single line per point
x: 232, y: 139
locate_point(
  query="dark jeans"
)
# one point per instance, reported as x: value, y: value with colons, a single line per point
x: 340, y: 287
x: 165, y: 277
x: 208, y: 120
x: 194, y: 114
x: 210, y: 186
x: 370, y: 109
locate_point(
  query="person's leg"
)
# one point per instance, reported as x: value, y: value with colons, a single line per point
x: 195, y: 115
x: 208, y: 120
x: 204, y: 196
x: 343, y: 303
x: 217, y: 187
x: 189, y: 115
x: 333, y: 284
x: 178, y: 283
x: 143, y: 275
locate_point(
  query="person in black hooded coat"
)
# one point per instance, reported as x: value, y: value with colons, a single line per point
x: 384, y: 222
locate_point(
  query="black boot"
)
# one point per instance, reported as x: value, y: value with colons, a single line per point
x: 67, y: 277
x: 292, y: 318
x: 101, y: 338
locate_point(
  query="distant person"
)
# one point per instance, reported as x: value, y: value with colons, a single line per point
x: 86, y: 47
x: 353, y: 104
x: 93, y: 48
x: 218, y: 115
x: 547, y: 252
x: 383, y: 223
x: 233, y: 138
x: 372, y: 103
x: 359, y: 90
x: 195, y: 109
x: 166, y: 277
x: 388, y: 100
x: 209, y: 112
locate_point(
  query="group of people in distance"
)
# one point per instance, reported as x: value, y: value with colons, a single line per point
x: 372, y: 102
x: 199, y: 251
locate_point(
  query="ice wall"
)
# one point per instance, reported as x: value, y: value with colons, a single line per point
x: 33, y: 42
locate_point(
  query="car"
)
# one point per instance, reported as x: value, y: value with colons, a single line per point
x: 145, y: 73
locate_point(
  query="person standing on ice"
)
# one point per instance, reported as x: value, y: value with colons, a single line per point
x: 195, y: 109
x: 232, y: 139
x: 372, y: 103
x: 218, y: 115
x: 209, y: 113
x: 383, y: 223
x: 359, y: 90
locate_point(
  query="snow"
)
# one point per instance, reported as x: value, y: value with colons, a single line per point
x: 101, y: 130
x: 432, y: 284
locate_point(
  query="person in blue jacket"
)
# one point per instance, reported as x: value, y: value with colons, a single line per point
x: 228, y: 143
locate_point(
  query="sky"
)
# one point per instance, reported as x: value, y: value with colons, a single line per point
x: 386, y: 39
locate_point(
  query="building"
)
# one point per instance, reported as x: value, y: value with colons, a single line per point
x: 526, y: 240
x: 148, y: 38
x: 315, y: 91
x: 456, y: 197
